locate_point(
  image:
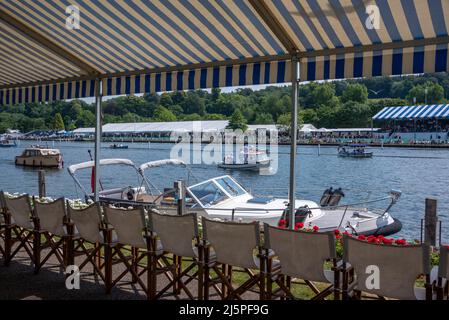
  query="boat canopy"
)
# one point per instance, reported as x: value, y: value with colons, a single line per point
x: 435, y: 111
x: 160, y: 163
x: 89, y: 164
x: 355, y: 145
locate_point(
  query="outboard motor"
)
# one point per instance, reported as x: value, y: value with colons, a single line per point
x: 325, y: 198
x: 336, y: 198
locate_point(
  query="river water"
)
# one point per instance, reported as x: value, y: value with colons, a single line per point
x: 418, y: 173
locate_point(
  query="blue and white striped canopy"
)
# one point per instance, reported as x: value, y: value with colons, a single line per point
x: 162, y: 45
x: 435, y: 111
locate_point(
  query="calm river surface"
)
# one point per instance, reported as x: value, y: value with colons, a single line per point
x: 418, y: 173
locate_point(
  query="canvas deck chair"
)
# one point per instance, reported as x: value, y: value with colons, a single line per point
x: 87, y: 238
x: 386, y: 271
x: 300, y: 255
x: 175, y: 239
x: 50, y: 232
x: 443, y: 274
x: 230, y: 245
x: 2, y: 226
x: 128, y: 242
x: 19, y: 227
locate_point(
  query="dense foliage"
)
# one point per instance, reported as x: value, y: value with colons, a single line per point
x: 348, y: 103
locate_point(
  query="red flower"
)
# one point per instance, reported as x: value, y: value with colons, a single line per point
x: 401, y: 242
x: 299, y: 225
x: 346, y: 233
x: 387, y: 241
x: 337, y: 232
x: 362, y: 237
x: 315, y: 228
x: 282, y: 222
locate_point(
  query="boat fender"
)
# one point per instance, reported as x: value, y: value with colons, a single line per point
x: 327, y: 194
x: 130, y: 194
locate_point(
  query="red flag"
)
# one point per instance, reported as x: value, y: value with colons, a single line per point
x: 92, y: 179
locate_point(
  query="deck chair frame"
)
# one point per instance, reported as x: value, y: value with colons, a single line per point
x: 225, y: 271
x: 114, y: 254
x: 57, y: 244
x: 171, y: 265
x: 78, y: 246
x: 349, y: 285
x: 15, y: 234
x: 285, y: 282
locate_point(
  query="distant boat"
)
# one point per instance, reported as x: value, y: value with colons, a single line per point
x: 354, y: 151
x: 251, y: 160
x: 7, y: 144
x: 118, y: 146
x: 40, y: 157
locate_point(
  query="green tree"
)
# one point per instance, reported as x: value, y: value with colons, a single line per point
x: 284, y: 121
x: 191, y: 117
x: 355, y: 92
x: 237, y: 121
x: 435, y: 93
x: 214, y: 116
x: 162, y: 114
x: 58, y: 122
x: 264, y: 118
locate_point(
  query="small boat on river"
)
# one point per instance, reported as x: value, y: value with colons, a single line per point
x: 40, y: 157
x: 354, y: 151
x: 118, y: 146
x: 7, y: 143
x: 251, y: 159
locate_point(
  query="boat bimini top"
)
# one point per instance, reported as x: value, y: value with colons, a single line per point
x: 139, y: 170
x: 103, y: 162
x: 160, y: 163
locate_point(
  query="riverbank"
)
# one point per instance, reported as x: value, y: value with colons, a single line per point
x: 284, y: 143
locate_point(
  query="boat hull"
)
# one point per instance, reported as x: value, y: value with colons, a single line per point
x: 245, y: 166
x: 349, y: 155
x: 40, y: 162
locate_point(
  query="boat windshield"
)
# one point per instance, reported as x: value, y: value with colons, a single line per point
x: 208, y: 193
x: 230, y: 186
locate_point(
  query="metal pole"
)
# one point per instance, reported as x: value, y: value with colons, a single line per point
x: 293, y: 134
x: 41, y: 180
x: 98, y: 96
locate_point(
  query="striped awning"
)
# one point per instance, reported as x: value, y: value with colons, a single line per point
x: 150, y: 46
x: 436, y: 111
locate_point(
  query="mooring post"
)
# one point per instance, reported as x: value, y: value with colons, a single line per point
x: 430, y: 222
x: 41, y: 183
x: 181, y: 194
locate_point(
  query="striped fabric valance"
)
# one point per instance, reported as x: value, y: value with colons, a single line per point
x: 427, y: 59
x: 224, y: 76
x: 48, y: 92
x: 436, y: 111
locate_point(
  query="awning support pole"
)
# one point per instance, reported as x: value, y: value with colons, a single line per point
x: 98, y: 97
x: 293, y: 137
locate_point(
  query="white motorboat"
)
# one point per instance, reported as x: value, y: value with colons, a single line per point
x: 250, y: 159
x: 225, y: 199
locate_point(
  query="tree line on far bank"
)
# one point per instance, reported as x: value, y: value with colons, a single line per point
x: 345, y: 103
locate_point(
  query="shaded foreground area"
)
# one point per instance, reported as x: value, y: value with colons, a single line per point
x: 18, y: 282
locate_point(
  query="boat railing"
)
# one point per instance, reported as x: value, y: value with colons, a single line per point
x: 356, y: 206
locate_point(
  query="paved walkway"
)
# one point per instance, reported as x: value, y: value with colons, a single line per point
x: 18, y: 281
